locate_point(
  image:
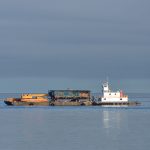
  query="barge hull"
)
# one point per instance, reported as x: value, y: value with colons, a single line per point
x: 58, y: 103
x: 19, y: 103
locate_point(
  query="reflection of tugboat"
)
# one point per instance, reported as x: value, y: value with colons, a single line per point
x: 109, y: 96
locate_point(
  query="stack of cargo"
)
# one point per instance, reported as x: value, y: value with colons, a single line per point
x: 69, y: 97
x: 29, y: 99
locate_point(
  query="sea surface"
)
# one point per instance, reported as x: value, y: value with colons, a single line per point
x: 76, y: 128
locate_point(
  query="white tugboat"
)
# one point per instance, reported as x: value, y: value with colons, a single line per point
x: 110, y: 97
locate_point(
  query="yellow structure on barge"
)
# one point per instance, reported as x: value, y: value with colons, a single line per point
x: 29, y: 99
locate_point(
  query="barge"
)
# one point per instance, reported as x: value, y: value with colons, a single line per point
x: 29, y: 100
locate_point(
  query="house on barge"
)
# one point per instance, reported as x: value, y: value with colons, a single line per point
x: 69, y: 97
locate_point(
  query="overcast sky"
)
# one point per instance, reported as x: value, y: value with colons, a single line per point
x: 46, y: 44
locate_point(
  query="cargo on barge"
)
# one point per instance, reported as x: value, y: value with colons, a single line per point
x: 29, y: 100
x: 70, y: 97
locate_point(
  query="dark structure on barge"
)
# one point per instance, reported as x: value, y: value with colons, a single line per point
x: 69, y: 97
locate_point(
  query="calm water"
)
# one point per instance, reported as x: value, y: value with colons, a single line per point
x: 76, y: 128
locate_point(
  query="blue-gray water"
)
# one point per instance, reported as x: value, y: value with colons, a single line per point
x: 76, y: 128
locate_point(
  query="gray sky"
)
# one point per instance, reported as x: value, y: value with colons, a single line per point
x: 66, y: 43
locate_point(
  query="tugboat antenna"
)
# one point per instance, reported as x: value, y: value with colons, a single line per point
x: 107, y: 79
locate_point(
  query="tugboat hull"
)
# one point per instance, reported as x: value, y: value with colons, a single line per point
x: 133, y: 103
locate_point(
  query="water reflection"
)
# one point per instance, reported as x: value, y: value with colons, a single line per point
x: 111, y: 120
x: 106, y: 119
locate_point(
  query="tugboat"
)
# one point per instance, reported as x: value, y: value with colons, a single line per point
x: 114, y: 98
x: 109, y: 96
